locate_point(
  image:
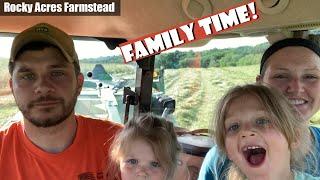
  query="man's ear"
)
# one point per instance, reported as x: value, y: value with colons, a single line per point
x: 10, y: 84
x: 80, y: 80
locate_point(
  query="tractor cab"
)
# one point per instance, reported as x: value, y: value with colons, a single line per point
x: 182, y: 84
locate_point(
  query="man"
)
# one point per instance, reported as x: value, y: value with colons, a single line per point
x: 292, y: 66
x: 51, y: 142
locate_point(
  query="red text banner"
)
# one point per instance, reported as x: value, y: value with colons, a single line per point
x: 155, y: 43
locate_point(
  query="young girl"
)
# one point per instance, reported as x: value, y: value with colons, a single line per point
x: 257, y: 129
x: 147, y: 148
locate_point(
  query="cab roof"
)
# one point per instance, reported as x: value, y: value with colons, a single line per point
x: 141, y: 17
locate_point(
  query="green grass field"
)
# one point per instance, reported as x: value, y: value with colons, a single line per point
x: 4, y: 73
x: 7, y: 104
x: 197, y: 90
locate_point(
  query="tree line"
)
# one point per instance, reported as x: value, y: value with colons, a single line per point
x: 241, y: 56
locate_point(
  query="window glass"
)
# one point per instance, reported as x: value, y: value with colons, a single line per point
x: 187, y: 82
x: 8, y: 108
x: 105, y: 77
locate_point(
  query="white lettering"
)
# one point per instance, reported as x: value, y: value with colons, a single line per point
x: 140, y: 50
x: 6, y: 7
x: 93, y: 7
x: 229, y: 20
x: 23, y: 7
x: 216, y: 22
x: 37, y: 7
x: 126, y: 52
x: 175, y: 37
x: 243, y: 14
x: 155, y: 44
x: 112, y: 7
x: 205, y: 24
x: 188, y: 30
x: 166, y: 39
x: 66, y: 7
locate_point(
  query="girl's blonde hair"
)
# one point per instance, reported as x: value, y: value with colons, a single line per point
x: 158, y: 133
x: 284, y: 118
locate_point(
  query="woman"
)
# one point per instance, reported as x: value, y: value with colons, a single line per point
x: 292, y: 66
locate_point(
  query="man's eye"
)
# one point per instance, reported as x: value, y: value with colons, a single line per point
x: 155, y: 164
x: 262, y: 122
x: 310, y: 76
x: 233, y: 127
x: 57, y: 73
x: 132, y: 161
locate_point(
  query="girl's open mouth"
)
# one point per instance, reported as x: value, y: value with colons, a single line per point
x: 254, y: 155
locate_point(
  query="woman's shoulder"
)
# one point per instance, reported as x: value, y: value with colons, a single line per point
x: 315, y: 132
x: 315, y: 129
x: 303, y: 176
x: 316, y: 135
x: 214, y: 154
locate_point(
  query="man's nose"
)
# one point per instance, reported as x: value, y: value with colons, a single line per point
x: 43, y: 86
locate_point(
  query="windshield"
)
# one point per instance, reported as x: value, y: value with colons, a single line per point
x: 189, y: 79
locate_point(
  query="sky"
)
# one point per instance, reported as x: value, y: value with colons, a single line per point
x: 93, y: 49
x: 85, y: 49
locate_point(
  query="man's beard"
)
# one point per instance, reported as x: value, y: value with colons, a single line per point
x: 66, y: 111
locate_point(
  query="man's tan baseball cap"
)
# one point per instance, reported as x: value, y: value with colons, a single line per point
x: 45, y: 33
